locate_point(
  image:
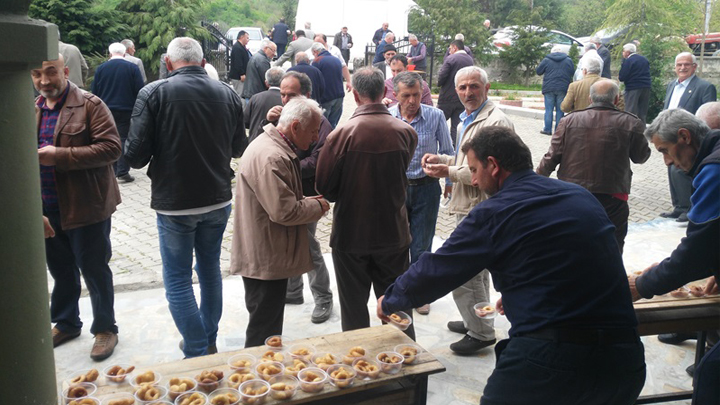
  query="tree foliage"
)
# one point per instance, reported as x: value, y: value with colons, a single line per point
x: 445, y: 18
x: 528, y: 43
x: 236, y: 13
x: 505, y: 12
x: 583, y: 17
x: 154, y: 23
x: 81, y: 23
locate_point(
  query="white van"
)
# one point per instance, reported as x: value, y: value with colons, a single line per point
x: 256, y: 36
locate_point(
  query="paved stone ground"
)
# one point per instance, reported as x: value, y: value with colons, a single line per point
x: 136, y: 258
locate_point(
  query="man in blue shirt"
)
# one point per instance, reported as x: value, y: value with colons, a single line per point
x: 423, y: 192
x: 552, y: 254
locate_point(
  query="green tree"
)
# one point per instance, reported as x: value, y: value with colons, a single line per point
x: 154, y: 23
x: 289, y: 9
x: 445, y: 18
x: 529, y: 40
x: 233, y: 13
x: 504, y: 12
x: 659, y: 25
x: 81, y: 23
x: 583, y: 17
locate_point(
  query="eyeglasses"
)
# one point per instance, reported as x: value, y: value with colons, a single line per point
x: 684, y: 64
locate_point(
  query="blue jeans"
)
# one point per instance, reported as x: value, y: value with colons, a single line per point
x: 333, y: 110
x: 422, y: 204
x: 179, y: 236
x: 553, y: 100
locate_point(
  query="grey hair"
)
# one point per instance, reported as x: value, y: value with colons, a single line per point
x: 556, y: 48
x: 710, y: 114
x: 596, y: 40
x: 116, y: 48
x: 305, y: 82
x: 669, y: 122
x: 274, y: 76
x: 469, y: 70
x: 265, y: 43
x: 460, y: 37
x: 390, y: 35
x: 317, y: 47
x: 128, y: 43
x: 412, y: 37
x: 299, y: 109
x: 589, y: 46
x: 369, y: 83
x: 408, y: 79
x: 185, y: 49
x: 593, y: 65
x: 630, y: 47
x: 607, y: 97
x: 683, y: 54
x: 301, y: 57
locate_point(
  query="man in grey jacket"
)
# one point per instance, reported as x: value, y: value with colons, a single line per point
x: 256, y: 68
x: 301, y: 44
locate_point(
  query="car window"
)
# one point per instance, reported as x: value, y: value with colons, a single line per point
x: 559, y: 39
x: 255, y: 35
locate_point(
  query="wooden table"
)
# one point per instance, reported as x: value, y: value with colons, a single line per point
x: 672, y: 315
x: 409, y: 386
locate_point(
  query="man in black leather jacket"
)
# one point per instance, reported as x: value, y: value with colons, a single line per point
x: 188, y: 127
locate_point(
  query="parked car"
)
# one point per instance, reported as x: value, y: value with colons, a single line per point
x: 503, y: 38
x: 256, y: 36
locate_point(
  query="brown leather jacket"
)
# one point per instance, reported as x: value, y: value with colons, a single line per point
x: 594, y: 147
x: 87, y: 144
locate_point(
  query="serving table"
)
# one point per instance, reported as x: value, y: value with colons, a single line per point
x: 671, y: 315
x: 409, y: 386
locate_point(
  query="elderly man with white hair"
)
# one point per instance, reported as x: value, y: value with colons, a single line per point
x: 274, y: 215
x: 605, y: 55
x: 130, y: 57
x: 578, y: 94
x: 557, y: 72
x: 117, y: 82
x: 257, y: 66
x: 590, y: 52
x: 331, y: 69
x: 472, y: 86
x: 188, y: 127
x: 417, y: 54
x: 635, y: 73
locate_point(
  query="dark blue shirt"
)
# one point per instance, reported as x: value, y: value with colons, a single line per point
x: 117, y: 82
x: 280, y: 35
x: 635, y: 72
x: 316, y: 77
x: 331, y: 69
x: 550, y: 249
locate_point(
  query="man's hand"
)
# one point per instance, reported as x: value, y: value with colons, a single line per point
x: 274, y: 113
x: 348, y: 87
x: 380, y: 313
x: 711, y: 288
x: 242, y: 78
x: 436, y: 170
x: 49, y: 231
x: 386, y: 101
x: 429, y: 158
x: 324, y: 204
x: 46, y: 155
x: 448, y: 192
x: 635, y: 295
x: 499, y: 307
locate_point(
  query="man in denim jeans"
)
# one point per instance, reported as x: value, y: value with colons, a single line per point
x: 557, y: 69
x: 188, y: 127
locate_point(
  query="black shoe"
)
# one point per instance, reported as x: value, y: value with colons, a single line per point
x: 546, y: 132
x: 682, y: 218
x: 457, y: 327
x: 470, y: 345
x: 676, y: 338
x: 691, y: 370
x: 672, y: 214
x: 212, y: 349
x: 322, y: 312
x: 295, y: 301
x: 126, y: 178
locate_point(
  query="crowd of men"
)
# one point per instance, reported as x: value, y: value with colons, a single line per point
x: 539, y: 238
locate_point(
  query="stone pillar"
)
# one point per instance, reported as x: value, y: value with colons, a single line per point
x: 26, y: 350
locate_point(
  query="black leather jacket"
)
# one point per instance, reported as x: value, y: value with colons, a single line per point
x: 187, y: 127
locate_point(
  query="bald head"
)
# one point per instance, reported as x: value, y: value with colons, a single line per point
x: 604, y: 92
x: 710, y: 114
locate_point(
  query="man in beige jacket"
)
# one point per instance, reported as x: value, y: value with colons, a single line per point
x: 472, y: 86
x: 578, y: 94
x: 272, y: 214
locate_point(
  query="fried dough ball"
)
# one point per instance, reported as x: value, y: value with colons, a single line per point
x: 272, y: 356
x: 398, y: 319
x: 147, y: 392
x: 118, y: 374
x: 192, y: 399
x: 236, y: 379
x: 145, y: 378
x: 275, y: 341
x: 77, y: 392
x: 282, y: 390
x: 224, y: 399
x: 125, y: 401
x: 90, y: 376
x: 409, y: 354
x: 88, y: 401
x: 386, y: 358
x: 364, y: 368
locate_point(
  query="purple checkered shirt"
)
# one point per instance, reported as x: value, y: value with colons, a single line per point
x: 46, y: 131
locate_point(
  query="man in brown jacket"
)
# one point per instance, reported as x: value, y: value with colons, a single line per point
x: 77, y: 144
x: 362, y: 168
x: 594, y: 148
x: 273, y: 215
x: 471, y: 86
x: 578, y: 94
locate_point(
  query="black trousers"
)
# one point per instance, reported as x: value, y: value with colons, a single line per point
x: 357, y: 273
x: 122, y: 121
x: 452, y: 112
x: 265, y: 302
x: 345, y: 54
x: 87, y: 251
x: 618, y: 211
x: 637, y: 102
x: 680, y: 188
